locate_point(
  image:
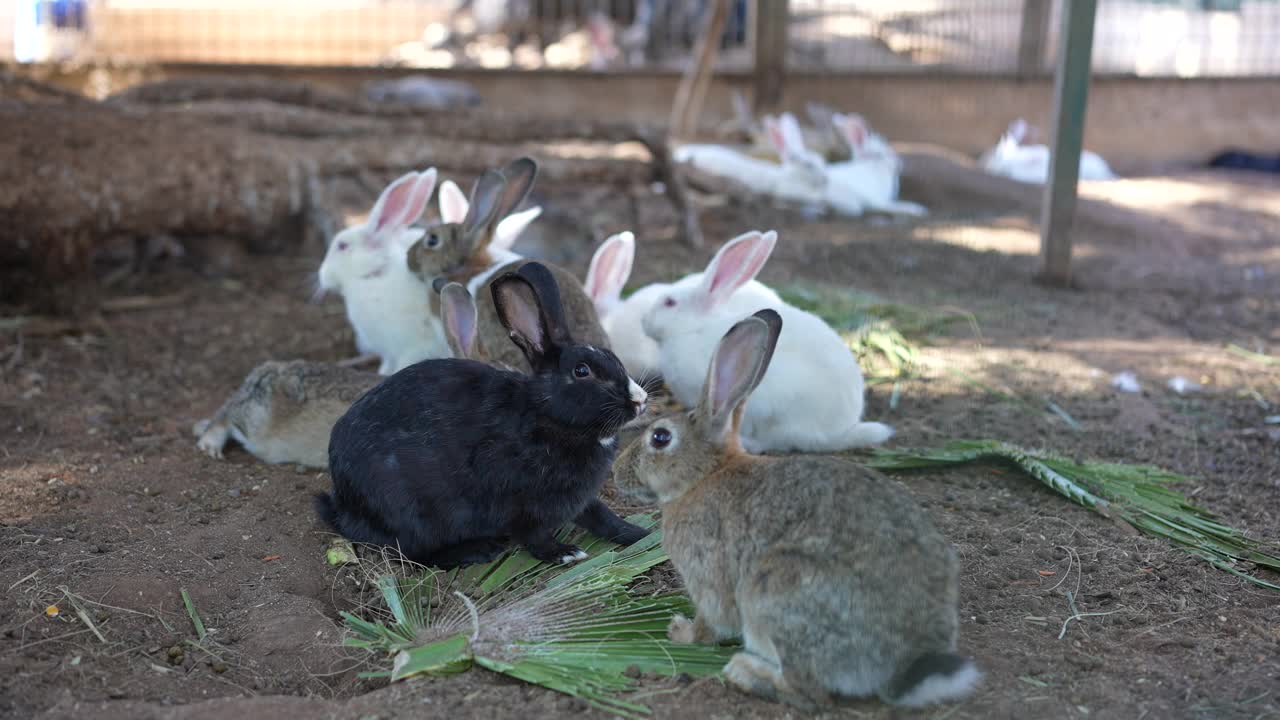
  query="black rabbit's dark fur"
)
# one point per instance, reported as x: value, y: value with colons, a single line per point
x: 452, y: 460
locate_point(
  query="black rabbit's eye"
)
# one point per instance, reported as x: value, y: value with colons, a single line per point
x: 582, y: 370
x: 660, y: 438
x: 433, y: 240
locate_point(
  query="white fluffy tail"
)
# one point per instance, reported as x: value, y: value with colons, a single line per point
x: 934, y: 678
x: 902, y: 207
x: 865, y: 434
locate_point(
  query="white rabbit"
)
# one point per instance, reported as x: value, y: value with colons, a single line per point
x: 1030, y: 163
x: 623, y: 319
x: 869, y: 180
x: 800, y: 178
x: 453, y: 208
x: 386, y: 303
x: 812, y: 398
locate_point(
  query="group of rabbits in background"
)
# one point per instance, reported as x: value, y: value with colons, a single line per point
x: 495, y: 415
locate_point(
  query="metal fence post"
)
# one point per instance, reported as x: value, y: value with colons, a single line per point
x: 1070, y: 98
x: 1034, y: 37
x: 772, y: 21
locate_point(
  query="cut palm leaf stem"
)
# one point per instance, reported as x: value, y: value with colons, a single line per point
x: 1137, y: 494
x: 1011, y: 397
x: 195, y: 616
x: 573, y: 629
x: 1250, y: 355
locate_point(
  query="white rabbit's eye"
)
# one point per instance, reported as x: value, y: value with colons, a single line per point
x: 660, y: 438
x: 342, y: 246
x: 669, y: 302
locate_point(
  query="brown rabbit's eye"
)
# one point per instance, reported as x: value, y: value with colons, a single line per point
x: 660, y: 438
x: 433, y: 240
x: 582, y: 370
x: 669, y: 302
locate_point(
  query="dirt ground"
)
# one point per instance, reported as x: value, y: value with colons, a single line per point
x: 106, y: 499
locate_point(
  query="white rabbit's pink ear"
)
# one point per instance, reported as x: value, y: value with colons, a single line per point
x: 853, y: 128
x: 453, y: 203
x: 610, y: 268
x: 735, y: 265
x: 773, y: 131
x: 392, y: 210
x: 1018, y: 130
x: 510, y: 227
x: 791, y: 130
x: 737, y: 367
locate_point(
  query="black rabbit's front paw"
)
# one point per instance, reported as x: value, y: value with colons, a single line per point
x: 557, y: 553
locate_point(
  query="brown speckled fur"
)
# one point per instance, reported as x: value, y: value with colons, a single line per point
x: 283, y: 412
x: 832, y: 575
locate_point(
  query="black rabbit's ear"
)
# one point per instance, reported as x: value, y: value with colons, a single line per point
x: 528, y: 305
x: 738, y: 366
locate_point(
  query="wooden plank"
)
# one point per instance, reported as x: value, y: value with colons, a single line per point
x: 1034, y: 37
x: 1070, y: 99
x: 696, y: 80
x: 772, y: 19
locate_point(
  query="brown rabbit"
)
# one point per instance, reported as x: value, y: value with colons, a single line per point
x: 460, y: 250
x: 284, y: 411
x: 837, y: 583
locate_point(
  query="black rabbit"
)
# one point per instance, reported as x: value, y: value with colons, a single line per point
x: 453, y: 460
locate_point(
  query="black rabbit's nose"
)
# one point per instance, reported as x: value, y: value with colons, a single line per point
x: 639, y: 397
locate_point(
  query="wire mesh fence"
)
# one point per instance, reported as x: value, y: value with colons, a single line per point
x: 1144, y: 37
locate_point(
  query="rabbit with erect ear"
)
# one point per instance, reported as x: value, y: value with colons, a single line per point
x: 386, y: 304
x: 836, y: 581
x: 464, y: 252
x: 624, y: 319
x: 799, y: 179
x: 868, y: 181
x: 284, y: 412
x: 458, y: 314
x: 453, y: 460
x: 1013, y: 158
x: 813, y: 399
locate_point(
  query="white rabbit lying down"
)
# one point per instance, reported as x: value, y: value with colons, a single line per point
x: 1030, y: 163
x: 811, y: 400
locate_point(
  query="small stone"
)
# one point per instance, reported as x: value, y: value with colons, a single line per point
x: 982, y: 620
x: 684, y: 678
x: 234, y: 492
x: 217, y: 555
x: 219, y: 667
x: 299, y: 486
x: 992, y: 550
x: 633, y: 671
x: 97, y: 549
x: 300, y: 469
x: 175, y: 651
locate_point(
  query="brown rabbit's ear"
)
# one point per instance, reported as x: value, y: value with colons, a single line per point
x: 494, y: 196
x: 519, y: 175
x: 482, y: 209
x: 528, y: 305
x: 458, y: 313
x: 738, y: 366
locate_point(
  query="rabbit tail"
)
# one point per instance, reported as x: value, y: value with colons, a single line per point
x: 865, y: 434
x: 355, y: 529
x: 932, y: 678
